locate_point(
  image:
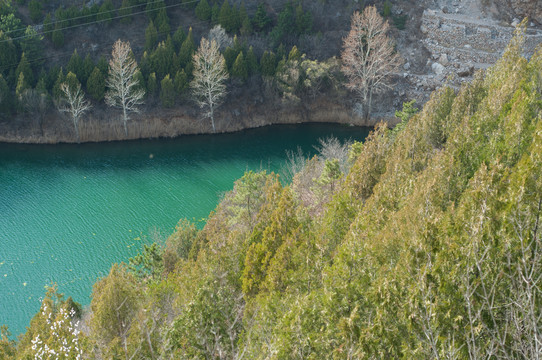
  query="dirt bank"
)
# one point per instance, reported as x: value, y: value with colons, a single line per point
x: 105, y: 125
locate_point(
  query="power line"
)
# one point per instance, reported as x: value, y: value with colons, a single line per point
x: 99, y: 13
x: 68, y: 54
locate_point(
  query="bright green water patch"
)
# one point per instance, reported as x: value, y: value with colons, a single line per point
x: 67, y: 212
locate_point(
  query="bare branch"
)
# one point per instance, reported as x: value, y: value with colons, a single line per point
x: 210, y: 73
x: 123, y: 90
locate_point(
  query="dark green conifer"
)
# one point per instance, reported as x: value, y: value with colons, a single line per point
x: 181, y: 82
x: 178, y: 38
x: 96, y: 84
x: 24, y: 67
x: 261, y: 20
x: 203, y: 10
x: 239, y: 68
x: 167, y: 92
x: 125, y: 12
x: 268, y: 63
x: 152, y: 85
x: 187, y: 49
x: 252, y: 62
x: 151, y: 36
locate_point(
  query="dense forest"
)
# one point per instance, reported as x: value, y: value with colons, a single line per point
x: 421, y: 242
x: 44, y: 44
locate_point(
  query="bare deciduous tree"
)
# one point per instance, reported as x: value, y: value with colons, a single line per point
x: 74, y: 103
x: 210, y: 73
x: 369, y: 57
x: 218, y: 34
x: 123, y: 91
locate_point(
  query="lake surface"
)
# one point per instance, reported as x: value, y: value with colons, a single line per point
x: 67, y: 212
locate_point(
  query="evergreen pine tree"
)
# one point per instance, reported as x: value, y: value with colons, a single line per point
x: 22, y: 85
x: 106, y: 12
x: 96, y: 84
x: 268, y: 63
x: 151, y: 85
x: 151, y: 36
x: 187, y: 49
x: 203, y: 10
x: 125, y: 12
x: 252, y: 62
x: 6, y: 98
x: 162, y: 21
x: 239, y: 68
x: 48, y: 26
x: 225, y: 17
x: 58, y: 37
x: 178, y: 38
x: 8, y: 52
x: 34, y: 8
x: 24, y: 67
x: 87, y: 68
x: 57, y: 92
x: 180, y: 82
x: 215, y: 13
x: 103, y: 65
x: 75, y: 64
x: 261, y: 20
x: 167, y: 92
x: 230, y: 55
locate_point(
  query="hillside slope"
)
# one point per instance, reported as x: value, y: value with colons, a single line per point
x: 425, y: 244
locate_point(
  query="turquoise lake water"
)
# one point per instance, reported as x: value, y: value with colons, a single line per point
x: 67, y: 212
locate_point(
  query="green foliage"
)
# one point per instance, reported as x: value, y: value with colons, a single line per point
x: 425, y: 246
x: 32, y: 46
x: 261, y: 20
x: 386, y: 9
x: 51, y: 329
x: 230, y: 55
x: 162, y: 60
x: 57, y: 37
x: 252, y: 62
x: 179, y: 244
x: 187, y: 50
x: 48, y: 26
x: 24, y: 68
x: 167, y: 92
x: 151, y: 36
x: 8, y: 53
x: 96, y: 85
x: 153, y: 8
x: 215, y: 13
x: 162, y: 21
x: 34, y: 8
x: 7, y: 346
x: 148, y: 264
x: 228, y: 17
x: 6, y: 98
x: 115, y: 302
x: 125, y: 12
x: 291, y: 22
x: 56, y: 91
x: 268, y: 63
x: 203, y: 10
x: 152, y: 85
x: 10, y: 24
x: 181, y: 82
x: 178, y: 38
x: 106, y: 12
x: 75, y: 65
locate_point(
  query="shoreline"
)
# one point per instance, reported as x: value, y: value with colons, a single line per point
x: 182, y: 120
